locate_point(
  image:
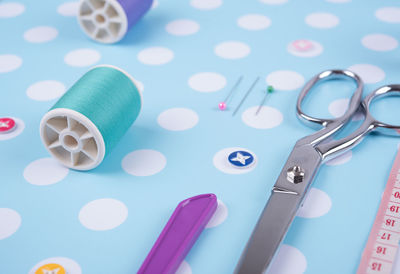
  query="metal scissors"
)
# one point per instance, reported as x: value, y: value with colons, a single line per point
x: 303, y: 163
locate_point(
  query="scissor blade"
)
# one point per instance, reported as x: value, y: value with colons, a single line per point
x: 279, y: 212
x: 268, y: 234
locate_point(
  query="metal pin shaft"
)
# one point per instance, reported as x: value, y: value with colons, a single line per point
x: 245, y: 96
x: 233, y: 89
x: 270, y: 89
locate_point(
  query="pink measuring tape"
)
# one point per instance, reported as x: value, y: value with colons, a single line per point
x: 383, y: 242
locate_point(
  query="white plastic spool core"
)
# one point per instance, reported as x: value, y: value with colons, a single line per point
x: 72, y: 138
x: 104, y: 21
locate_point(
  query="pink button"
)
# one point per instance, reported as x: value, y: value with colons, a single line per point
x: 302, y: 45
x: 6, y: 125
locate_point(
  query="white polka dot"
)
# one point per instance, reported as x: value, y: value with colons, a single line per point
x: 144, y: 162
x: 103, y: 214
x: 9, y: 62
x: 182, y: 27
x: 184, y: 268
x: 254, y: 22
x: 178, y: 119
x: 221, y: 162
x: 11, y: 9
x: 322, y: 20
x: 338, y: 107
x: 155, y: 4
x: 379, y: 42
x: 205, y: 4
x: 341, y: 159
x: 40, y: 34
x: 314, y: 51
x: 70, y: 266
x: 273, y: 2
x: 155, y: 56
x: 316, y: 204
x: 45, y: 90
x: 45, y: 171
x: 232, y: 50
x: 82, y: 57
x: 20, y: 126
x: 388, y: 14
x: 370, y: 74
x: 219, y: 216
x: 338, y: 1
x: 10, y: 221
x: 285, y: 80
x: 207, y: 81
x: 68, y: 8
x: 267, y: 118
x: 288, y: 260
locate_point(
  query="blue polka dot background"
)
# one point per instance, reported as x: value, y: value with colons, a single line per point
x: 186, y: 56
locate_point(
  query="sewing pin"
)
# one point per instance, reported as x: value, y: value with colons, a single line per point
x: 222, y: 105
x: 245, y: 96
x: 270, y: 89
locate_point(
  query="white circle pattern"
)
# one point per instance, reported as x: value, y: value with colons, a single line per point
x: 45, y: 90
x: 232, y: 50
x: 82, y: 57
x: 40, y: 34
x: 379, y: 42
x: 182, y: 27
x: 388, y: 14
x: 178, y: 119
x: 144, y: 162
x: 207, y: 81
x: 103, y: 214
x: 155, y: 56
x: 285, y: 80
x: 11, y: 9
x: 322, y: 20
x: 254, y: 22
x: 10, y: 221
x: 9, y: 62
x: 45, y: 171
x: 206, y: 4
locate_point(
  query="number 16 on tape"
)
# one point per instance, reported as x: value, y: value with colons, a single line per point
x: 380, y: 252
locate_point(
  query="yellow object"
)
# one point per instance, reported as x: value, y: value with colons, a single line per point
x: 50, y: 269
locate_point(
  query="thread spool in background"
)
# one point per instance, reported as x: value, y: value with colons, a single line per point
x: 107, y: 21
x: 91, y: 117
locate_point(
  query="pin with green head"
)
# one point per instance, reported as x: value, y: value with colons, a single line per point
x: 270, y: 89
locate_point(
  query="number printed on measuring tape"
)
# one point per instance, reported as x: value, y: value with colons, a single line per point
x: 376, y: 266
x: 388, y: 237
x: 383, y: 242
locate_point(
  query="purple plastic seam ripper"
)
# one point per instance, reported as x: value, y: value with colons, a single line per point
x: 178, y: 236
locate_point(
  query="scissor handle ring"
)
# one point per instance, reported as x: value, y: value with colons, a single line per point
x: 330, y: 75
x: 388, y: 90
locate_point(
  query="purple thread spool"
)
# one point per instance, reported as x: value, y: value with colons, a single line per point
x: 107, y: 21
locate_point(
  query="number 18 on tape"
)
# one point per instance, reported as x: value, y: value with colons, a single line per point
x: 383, y: 242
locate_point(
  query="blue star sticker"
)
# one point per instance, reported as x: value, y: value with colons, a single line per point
x: 241, y: 158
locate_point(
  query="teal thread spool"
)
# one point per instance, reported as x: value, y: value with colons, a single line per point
x: 91, y: 117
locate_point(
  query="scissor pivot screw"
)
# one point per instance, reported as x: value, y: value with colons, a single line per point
x: 295, y: 174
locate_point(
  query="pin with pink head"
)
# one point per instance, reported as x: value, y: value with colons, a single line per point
x: 222, y: 105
